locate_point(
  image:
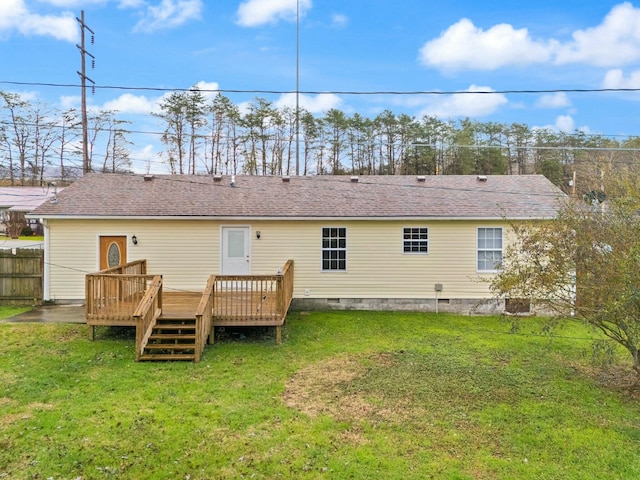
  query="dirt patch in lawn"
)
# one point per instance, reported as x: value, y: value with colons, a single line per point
x: 618, y: 378
x: 25, y: 414
x: 327, y: 388
x: 315, y: 389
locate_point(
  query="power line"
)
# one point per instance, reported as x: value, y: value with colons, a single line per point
x: 334, y: 92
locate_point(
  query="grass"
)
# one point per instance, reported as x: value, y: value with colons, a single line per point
x: 353, y: 395
x: 35, y: 238
x: 10, y: 311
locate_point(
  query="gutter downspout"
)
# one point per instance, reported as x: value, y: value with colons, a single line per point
x: 46, y: 283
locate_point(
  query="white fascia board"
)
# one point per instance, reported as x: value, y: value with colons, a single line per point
x: 282, y: 219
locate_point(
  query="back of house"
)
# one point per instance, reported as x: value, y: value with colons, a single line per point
x: 368, y: 242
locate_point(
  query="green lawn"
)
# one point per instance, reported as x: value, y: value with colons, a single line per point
x: 34, y: 238
x: 355, y: 395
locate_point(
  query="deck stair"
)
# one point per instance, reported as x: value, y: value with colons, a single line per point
x: 178, y: 324
x: 172, y: 338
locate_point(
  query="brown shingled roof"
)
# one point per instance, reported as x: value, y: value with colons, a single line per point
x: 446, y: 196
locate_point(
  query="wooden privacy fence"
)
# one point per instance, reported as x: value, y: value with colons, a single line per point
x: 21, y: 276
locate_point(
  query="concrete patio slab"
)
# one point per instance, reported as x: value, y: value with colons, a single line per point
x: 51, y: 314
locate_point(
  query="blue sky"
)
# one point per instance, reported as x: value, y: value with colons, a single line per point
x: 352, y: 46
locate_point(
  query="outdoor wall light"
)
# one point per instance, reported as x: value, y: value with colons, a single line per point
x: 134, y: 240
x: 258, y: 234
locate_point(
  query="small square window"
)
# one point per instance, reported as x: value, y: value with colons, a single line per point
x: 415, y: 240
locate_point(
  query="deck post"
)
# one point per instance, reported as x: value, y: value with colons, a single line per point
x: 92, y: 332
x: 278, y: 334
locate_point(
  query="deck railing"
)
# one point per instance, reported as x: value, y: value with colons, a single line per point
x: 286, y: 287
x: 113, y: 298
x: 204, y: 318
x: 253, y: 299
x: 136, y: 267
x: 146, y: 314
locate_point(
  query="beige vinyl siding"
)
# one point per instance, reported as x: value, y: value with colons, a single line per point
x: 186, y: 252
x: 376, y: 264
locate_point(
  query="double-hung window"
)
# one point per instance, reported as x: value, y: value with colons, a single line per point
x: 489, y: 249
x: 415, y: 240
x: 334, y: 249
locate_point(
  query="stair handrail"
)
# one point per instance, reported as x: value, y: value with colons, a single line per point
x: 132, y: 267
x: 285, y: 288
x: 204, y: 317
x: 146, y: 314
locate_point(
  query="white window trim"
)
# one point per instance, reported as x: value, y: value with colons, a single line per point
x: 428, y: 241
x: 346, y: 251
x: 501, y: 250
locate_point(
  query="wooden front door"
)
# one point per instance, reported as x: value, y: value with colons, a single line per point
x: 113, y: 251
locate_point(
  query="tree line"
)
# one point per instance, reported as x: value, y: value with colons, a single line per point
x: 39, y: 143
x: 217, y: 136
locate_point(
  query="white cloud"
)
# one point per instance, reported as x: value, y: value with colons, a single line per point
x: 61, y: 28
x: 465, y: 104
x: 565, y: 123
x: 70, y: 101
x: 130, y: 3
x: 318, y: 104
x: 128, y: 103
x: 10, y: 12
x: 616, y: 79
x: 463, y: 45
x: 169, y: 14
x: 140, y: 104
x: 14, y: 15
x: 211, y: 86
x: 144, y: 159
x: 73, y: 3
x: 253, y: 13
x: 615, y: 41
x: 553, y: 100
x: 339, y: 21
x: 84, y: 3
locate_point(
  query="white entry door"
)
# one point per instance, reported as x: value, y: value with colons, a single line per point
x: 236, y: 251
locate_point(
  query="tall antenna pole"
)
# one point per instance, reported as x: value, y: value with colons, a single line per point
x: 297, y: 87
x: 86, y: 167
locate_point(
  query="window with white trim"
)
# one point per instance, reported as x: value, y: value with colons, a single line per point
x: 489, y: 248
x: 415, y: 240
x: 334, y: 249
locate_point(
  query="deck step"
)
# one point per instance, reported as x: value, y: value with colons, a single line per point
x: 170, y: 346
x: 175, y: 318
x: 172, y: 336
x: 160, y: 357
x: 173, y: 326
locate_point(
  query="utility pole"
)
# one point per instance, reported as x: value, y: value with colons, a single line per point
x: 297, y: 87
x: 86, y: 167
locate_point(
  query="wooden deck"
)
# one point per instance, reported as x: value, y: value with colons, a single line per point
x: 180, y: 304
x: 127, y: 296
x: 230, y: 309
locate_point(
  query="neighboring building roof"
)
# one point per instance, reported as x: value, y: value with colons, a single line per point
x: 436, y: 197
x: 24, y: 199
